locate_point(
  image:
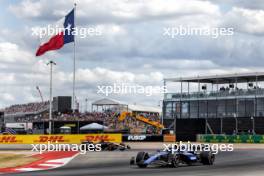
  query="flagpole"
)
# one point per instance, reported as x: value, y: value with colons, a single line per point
x: 51, y: 63
x: 74, y: 63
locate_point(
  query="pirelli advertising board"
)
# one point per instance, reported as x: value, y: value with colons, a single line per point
x: 63, y: 139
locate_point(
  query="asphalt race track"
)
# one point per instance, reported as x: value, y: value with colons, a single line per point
x: 236, y: 163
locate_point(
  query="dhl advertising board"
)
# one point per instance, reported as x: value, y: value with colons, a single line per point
x: 63, y: 139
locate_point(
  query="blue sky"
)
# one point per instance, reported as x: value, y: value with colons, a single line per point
x: 8, y: 19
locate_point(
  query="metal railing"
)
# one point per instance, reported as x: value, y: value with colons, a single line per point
x: 214, y: 94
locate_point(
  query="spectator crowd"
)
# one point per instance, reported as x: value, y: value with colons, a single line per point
x: 27, y: 108
x: 107, y: 118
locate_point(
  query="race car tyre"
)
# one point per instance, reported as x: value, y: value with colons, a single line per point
x: 132, y: 161
x: 141, y: 157
x: 84, y: 145
x: 122, y: 147
x: 175, y: 161
x: 189, y: 163
x: 207, y: 158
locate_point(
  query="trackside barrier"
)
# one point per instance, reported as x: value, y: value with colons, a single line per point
x: 230, y: 138
x: 63, y: 139
x: 169, y: 138
x: 142, y: 138
x: 148, y: 138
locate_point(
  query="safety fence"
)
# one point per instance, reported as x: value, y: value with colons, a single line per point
x: 230, y: 138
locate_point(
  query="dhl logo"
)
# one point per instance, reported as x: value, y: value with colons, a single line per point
x: 98, y: 138
x: 44, y: 139
x: 8, y: 139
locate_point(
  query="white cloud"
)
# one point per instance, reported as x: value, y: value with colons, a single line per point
x: 246, y: 20
x: 8, y: 97
x: 115, y: 9
x: 158, y: 7
x: 11, y: 53
x: 28, y: 8
x: 104, y: 75
x: 7, y: 78
x: 131, y: 48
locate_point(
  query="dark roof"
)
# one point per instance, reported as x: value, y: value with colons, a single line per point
x: 222, y: 79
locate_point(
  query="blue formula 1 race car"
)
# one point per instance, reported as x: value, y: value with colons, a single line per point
x: 167, y: 158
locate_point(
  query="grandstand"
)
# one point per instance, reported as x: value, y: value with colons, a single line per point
x: 35, y: 116
x: 221, y: 104
x: 107, y: 118
x: 26, y: 109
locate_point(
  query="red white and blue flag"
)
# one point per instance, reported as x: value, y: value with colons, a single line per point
x: 63, y: 34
